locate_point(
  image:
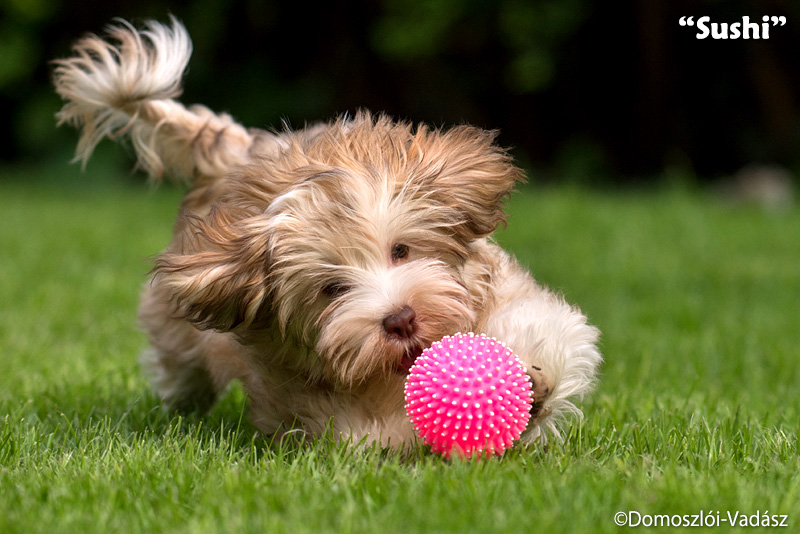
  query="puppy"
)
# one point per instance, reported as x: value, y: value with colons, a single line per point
x: 315, y: 265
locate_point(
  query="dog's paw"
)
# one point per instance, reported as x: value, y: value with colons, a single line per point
x: 542, y: 388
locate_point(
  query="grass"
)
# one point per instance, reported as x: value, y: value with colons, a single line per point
x: 696, y: 409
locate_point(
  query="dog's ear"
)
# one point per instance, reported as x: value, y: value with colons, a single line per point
x: 469, y: 172
x: 221, y: 283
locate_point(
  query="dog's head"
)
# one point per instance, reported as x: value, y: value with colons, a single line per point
x: 356, y: 243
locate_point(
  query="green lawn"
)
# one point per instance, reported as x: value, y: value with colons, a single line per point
x: 696, y: 410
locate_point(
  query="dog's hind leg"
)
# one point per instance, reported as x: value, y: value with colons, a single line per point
x: 180, y: 362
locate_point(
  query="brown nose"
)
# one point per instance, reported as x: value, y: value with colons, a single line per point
x: 401, y: 324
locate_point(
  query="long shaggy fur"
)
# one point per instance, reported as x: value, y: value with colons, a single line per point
x: 125, y: 85
x: 315, y: 265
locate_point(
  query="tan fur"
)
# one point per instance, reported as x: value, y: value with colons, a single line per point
x: 284, y: 265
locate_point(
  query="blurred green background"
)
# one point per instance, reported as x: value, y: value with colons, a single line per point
x: 583, y: 90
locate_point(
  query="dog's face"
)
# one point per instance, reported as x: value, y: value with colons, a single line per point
x: 357, y: 245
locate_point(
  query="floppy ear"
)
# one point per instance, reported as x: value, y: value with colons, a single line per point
x: 221, y: 284
x: 472, y: 174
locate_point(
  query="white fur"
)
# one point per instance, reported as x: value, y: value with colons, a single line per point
x: 545, y: 332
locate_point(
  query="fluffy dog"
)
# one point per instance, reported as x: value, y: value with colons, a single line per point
x: 315, y: 265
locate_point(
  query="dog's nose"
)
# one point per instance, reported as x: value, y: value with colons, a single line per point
x: 401, y: 324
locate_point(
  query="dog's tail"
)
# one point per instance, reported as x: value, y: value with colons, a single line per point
x: 125, y: 85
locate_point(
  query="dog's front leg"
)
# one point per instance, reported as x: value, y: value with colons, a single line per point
x: 552, y: 338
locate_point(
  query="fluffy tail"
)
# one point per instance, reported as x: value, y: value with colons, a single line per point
x: 125, y: 85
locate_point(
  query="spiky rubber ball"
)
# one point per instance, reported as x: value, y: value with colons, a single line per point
x: 468, y: 395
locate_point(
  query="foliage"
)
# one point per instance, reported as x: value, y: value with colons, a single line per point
x: 620, y: 88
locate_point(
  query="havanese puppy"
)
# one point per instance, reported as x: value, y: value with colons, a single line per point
x: 315, y: 265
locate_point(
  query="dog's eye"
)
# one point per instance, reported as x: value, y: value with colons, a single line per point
x: 335, y: 289
x: 399, y: 252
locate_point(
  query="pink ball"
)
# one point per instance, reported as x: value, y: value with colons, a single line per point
x: 468, y: 395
